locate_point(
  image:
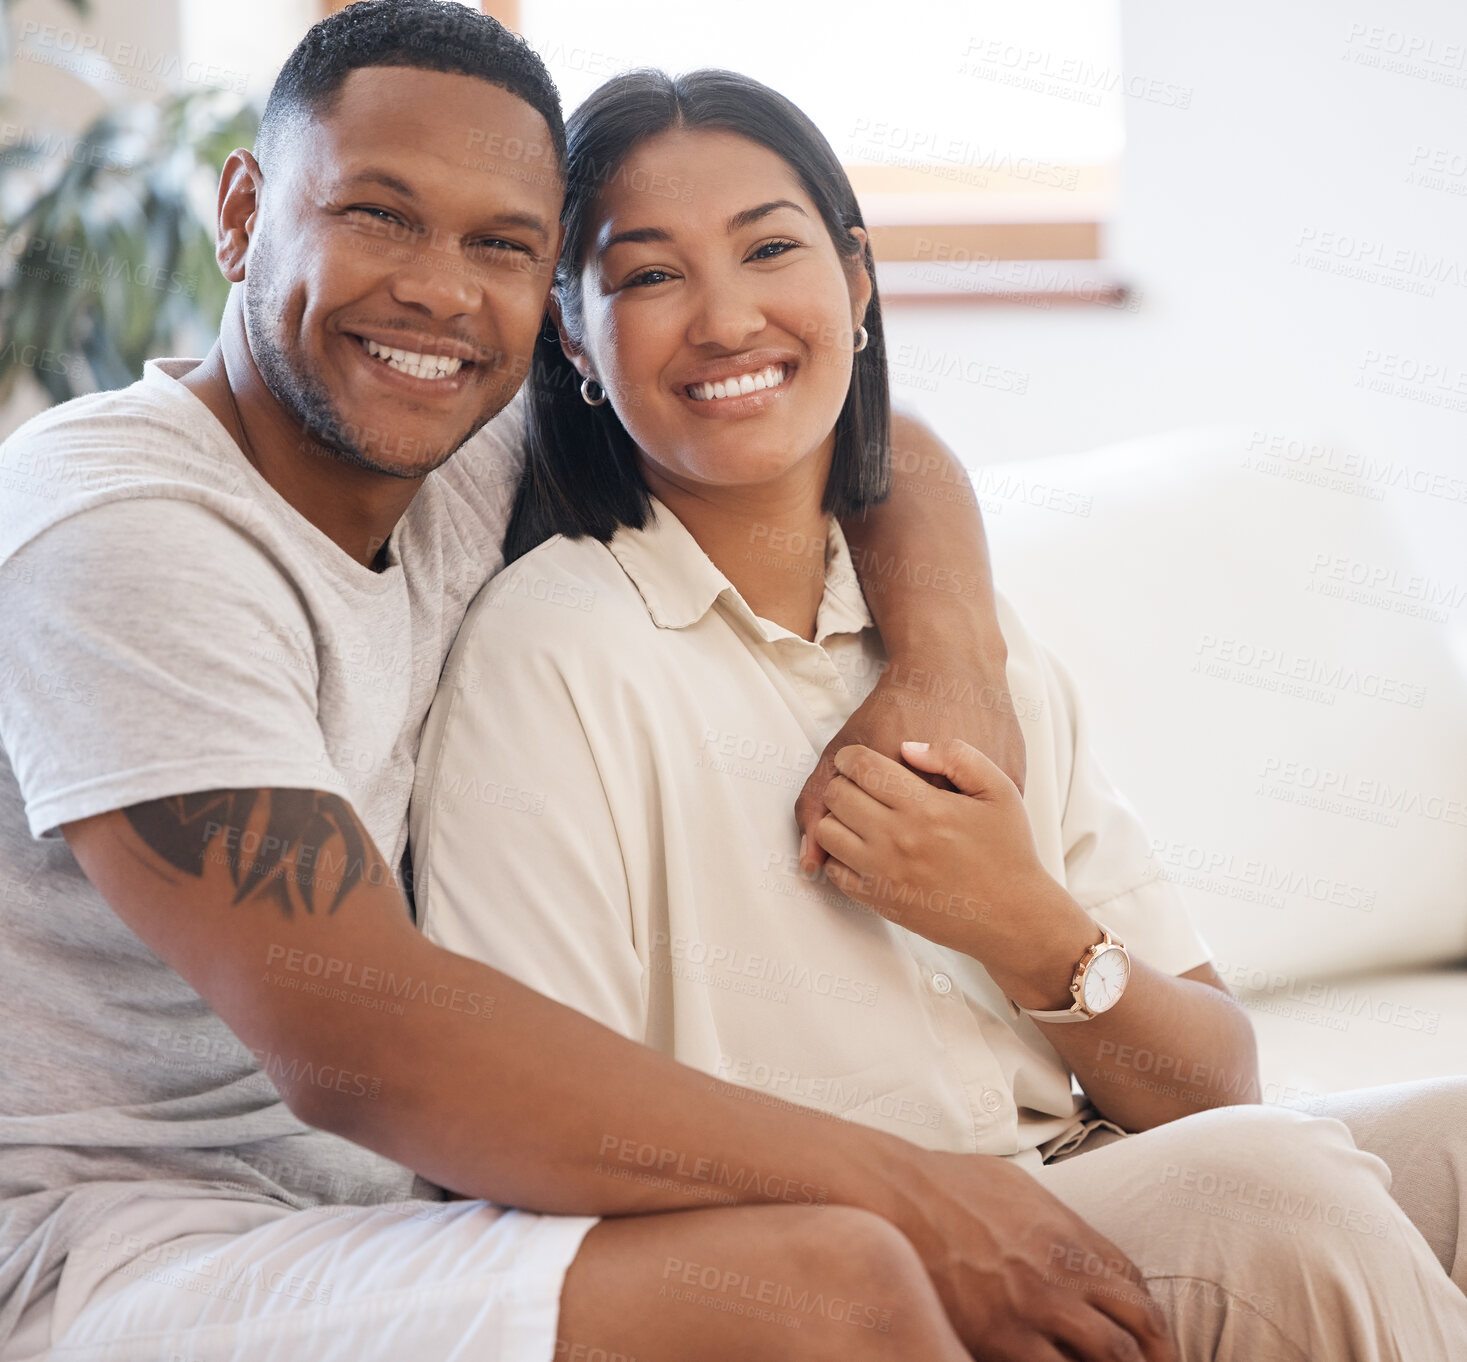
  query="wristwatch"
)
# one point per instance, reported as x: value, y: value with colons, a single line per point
x: 1100, y: 979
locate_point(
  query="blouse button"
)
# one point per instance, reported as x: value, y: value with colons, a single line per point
x: 992, y: 1100
x: 941, y: 984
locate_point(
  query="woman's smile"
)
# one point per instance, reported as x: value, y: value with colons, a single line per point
x: 739, y: 385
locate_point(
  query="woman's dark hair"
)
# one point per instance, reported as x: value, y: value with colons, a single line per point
x: 581, y: 475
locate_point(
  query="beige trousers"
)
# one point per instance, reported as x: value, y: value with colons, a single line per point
x: 1269, y: 1235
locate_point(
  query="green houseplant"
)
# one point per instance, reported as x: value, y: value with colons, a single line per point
x: 107, y: 241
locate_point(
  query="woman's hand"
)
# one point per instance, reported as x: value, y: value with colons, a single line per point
x: 936, y: 701
x: 958, y: 867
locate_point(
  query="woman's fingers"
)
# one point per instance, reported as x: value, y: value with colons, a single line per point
x: 969, y: 770
x: 839, y: 843
x: 854, y: 807
x: 886, y: 781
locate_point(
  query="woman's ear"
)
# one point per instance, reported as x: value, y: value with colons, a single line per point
x: 568, y: 346
x: 858, y: 277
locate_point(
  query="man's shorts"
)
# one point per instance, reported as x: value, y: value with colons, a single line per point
x: 209, y: 1280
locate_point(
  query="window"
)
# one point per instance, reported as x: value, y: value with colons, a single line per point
x: 982, y: 136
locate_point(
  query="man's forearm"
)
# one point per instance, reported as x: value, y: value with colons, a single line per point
x: 525, y: 1102
x: 922, y: 555
x: 276, y: 906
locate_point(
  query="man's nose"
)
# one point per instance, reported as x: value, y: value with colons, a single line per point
x: 434, y: 281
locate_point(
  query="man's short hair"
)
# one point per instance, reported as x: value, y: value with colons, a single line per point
x: 428, y: 35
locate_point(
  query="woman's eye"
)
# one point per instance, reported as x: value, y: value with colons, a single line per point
x: 771, y: 249
x: 647, y: 276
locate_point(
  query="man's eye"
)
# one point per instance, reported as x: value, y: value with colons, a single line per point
x: 771, y: 249
x: 495, y: 243
x: 376, y: 214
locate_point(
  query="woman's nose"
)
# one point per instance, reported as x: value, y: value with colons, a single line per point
x: 728, y: 314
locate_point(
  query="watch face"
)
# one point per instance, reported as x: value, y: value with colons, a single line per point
x: 1105, y: 980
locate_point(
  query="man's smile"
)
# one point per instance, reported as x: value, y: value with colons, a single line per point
x: 423, y: 365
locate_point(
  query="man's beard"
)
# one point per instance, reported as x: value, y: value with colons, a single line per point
x: 302, y: 394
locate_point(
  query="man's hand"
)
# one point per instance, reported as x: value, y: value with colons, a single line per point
x: 1022, y: 1277
x: 964, y: 697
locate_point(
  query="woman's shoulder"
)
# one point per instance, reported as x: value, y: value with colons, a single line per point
x: 562, y: 596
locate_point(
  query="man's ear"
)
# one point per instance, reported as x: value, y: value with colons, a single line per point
x: 568, y: 346
x: 858, y: 279
x: 241, y: 185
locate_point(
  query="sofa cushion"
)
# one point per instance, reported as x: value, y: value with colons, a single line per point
x: 1269, y: 633
x: 1318, y: 1036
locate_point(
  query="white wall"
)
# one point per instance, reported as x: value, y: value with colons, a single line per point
x: 1289, y: 136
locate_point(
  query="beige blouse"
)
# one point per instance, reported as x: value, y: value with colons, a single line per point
x: 604, y: 809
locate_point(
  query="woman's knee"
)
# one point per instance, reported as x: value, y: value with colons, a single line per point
x: 1270, y: 1171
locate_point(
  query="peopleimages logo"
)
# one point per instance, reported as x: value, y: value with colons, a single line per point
x: 1268, y: 667
x: 1350, y: 469
x: 1273, y: 989
x: 1330, y: 783
x: 352, y: 982
x: 1267, y: 880
x: 767, y: 969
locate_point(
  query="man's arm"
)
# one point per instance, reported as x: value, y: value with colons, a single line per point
x: 922, y: 558
x: 494, y: 1091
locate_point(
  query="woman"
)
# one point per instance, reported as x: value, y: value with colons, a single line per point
x: 680, y: 634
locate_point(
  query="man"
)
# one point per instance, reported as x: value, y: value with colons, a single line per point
x: 230, y: 590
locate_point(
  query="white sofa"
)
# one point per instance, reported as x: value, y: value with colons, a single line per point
x: 1270, y: 632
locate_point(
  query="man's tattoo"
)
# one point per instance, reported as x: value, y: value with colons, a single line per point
x: 281, y: 863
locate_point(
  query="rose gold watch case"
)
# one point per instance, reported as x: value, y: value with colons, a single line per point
x: 1079, y: 1010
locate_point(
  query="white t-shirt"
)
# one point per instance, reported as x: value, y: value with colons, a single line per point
x: 608, y: 815
x: 172, y: 624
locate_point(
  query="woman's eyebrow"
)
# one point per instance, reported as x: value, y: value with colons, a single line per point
x: 752, y: 215
x: 634, y: 235
x: 747, y: 218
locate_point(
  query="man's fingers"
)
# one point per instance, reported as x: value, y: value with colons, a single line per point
x: 810, y: 809
x: 1134, y: 1308
x: 1023, y: 1347
x: 1094, y: 1337
x: 810, y: 806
